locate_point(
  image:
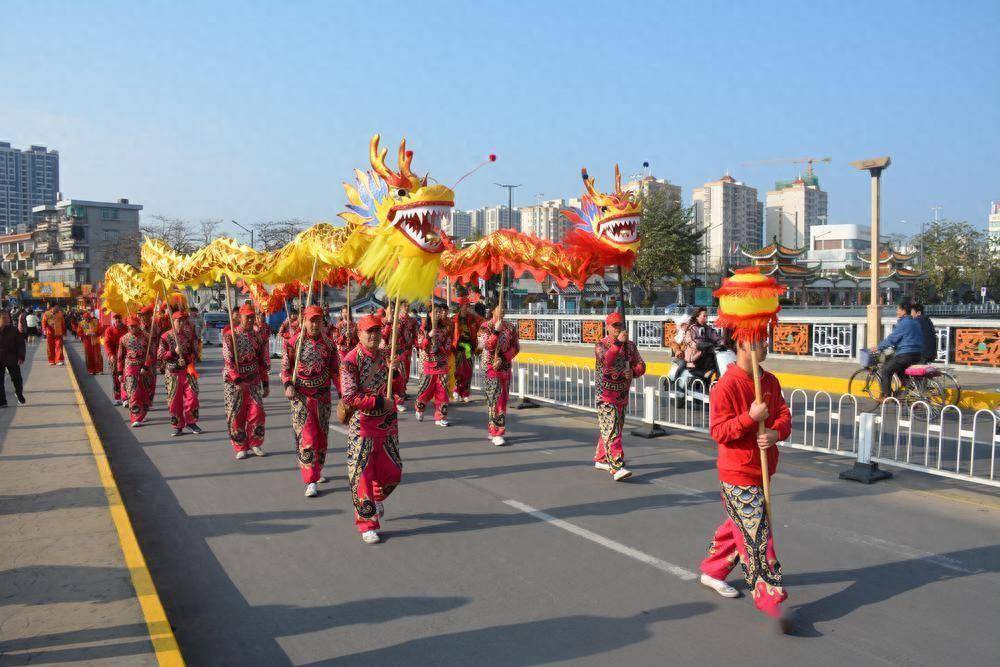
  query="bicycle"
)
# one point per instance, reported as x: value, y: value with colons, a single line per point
x: 924, y: 383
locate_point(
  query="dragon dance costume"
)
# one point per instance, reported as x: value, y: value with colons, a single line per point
x: 435, y: 349
x: 112, y: 337
x: 176, y: 357
x: 499, y: 347
x: 745, y: 535
x: 345, y: 336
x: 245, y: 378
x: 406, y: 339
x: 617, y: 365
x: 134, y: 355
x: 374, y: 467
x: 465, y: 345
x: 310, y: 407
x: 89, y: 330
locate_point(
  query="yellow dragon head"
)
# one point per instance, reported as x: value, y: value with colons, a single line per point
x: 613, y: 218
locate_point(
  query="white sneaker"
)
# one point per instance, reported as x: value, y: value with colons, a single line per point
x: 136, y: 424
x: 498, y: 441
x: 240, y: 455
x: 117, y: 402
x: 401, y: 408
x: 624, y: 473
x: 380, y: 510
x: 719, y: 586
x: 258, y: 451
x: 61, y: 363
x: 602, y: 466
x: 418, y: 415
x: 454, y: 396
x: 311, y: 491
x: 441, y: 422
x: 370, y: 537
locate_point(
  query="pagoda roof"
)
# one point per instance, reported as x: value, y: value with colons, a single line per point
x: 774, y: 250
x: 787, y: 270
x: 884, y: 273
x: 887, y: 255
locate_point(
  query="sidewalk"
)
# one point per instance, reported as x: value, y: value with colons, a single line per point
x: 980, y: 388
x: 66, y: 594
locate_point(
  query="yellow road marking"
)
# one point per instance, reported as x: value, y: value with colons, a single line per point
x: 168, y: 654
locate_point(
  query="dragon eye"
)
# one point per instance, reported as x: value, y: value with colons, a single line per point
x: 401, y: 192
x: 604, y: 209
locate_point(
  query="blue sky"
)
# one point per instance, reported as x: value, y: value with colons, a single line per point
x: 259, y: 110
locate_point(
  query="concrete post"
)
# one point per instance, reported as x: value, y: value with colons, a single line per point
x: 874, y: 167
x: 650, y: 429
x: 522, y: 390
x: 864, y: 470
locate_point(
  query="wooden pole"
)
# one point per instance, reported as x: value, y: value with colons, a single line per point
x: 392, y: 349
x: 232, y: 325
x: 764, y: 474
x: 621, y: 295
x: 302, y: 324
x: 348, y: 301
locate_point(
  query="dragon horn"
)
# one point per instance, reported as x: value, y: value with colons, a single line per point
x: 618, y: 180
x: 588, y: 182
x: 377, y: 159
x: 405, y: 158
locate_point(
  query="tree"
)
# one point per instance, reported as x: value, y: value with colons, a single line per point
x: 124, y: 249
x: 957, y: 259
x: 175, y: 232
x: 207, y: 230
x: 273, y: 234
x: 670, y: 242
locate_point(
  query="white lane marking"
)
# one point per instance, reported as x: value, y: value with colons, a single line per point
x: 946, y: 562
x: 658, y: 563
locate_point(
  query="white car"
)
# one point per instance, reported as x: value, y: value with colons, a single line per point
x: 215, y: 322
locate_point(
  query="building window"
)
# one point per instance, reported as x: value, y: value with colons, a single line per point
x: 109, y: 214
x: 110, y: 234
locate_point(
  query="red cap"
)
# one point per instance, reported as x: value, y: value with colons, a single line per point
x: 179, y: 314
x: 133, y: 320
x: 247, y: 309
x: 614, y: 318
x: 313, y: 311
x: 370, y: 322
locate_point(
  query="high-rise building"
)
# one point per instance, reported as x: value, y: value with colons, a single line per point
x: 17, y: 263
x: 994, y: 227
x: 458, y: 225
x: 477, y: 221
x: 75, y: 240
x: 28, y: 178
x: 499, y: 217
x: 793, y: 207
x: 731, y: 216
x: 646, y: 184
x: 545, y: 221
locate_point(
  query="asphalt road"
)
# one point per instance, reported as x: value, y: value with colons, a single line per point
x: 526, y: 555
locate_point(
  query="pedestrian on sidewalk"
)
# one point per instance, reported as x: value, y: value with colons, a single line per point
x: 308, y: 392
x: 745, y: 535
x: 135, y: 361
x: 617, y: 362
x: 112, y: 337
x: 89, y: 330
x: 245, y: 384
x: 176, y: 359
x: 374, y: 467
x: 499, y: 343
x: 434, y: 342
x: 11, y: 358
x: 54, y: 327
x: 34, y: 323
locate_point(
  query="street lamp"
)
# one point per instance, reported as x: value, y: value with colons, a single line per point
x: 246, y: 230
x: 874, y: 167
x: 510, y: 221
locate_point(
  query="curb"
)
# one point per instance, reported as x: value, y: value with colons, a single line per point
x: 161, y: 635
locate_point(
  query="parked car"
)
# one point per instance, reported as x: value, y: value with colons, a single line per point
x: 215, y: 322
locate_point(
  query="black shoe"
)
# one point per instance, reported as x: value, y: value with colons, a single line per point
x: 178, y: 431
x: 195, y: 429
x: 20, y: 399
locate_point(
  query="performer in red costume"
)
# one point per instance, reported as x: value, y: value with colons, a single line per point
x: 308, y: 392
x: 135, y: 367
x: 434, y: 342
x: 153, y: 328
x: 745, y: 535
x: 89, y: 330
x: 54, y: 328
x: 245, y: 384
x: 112, y: 336
x: 405, y: 340
x: 374, y: 467
x: 464, y: 345
x: 618, y: 363
x: 176, y: 357
x: 499, y: 343
x: 290, y: 327
x: 345, y: 333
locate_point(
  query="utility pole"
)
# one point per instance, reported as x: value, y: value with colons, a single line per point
x: 510, y: 222
x: 937, y: 210
x: 246, y: 230
x: 874, y: 167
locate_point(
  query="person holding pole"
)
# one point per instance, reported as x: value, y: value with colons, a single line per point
x: 176, y: 357
x: 134, y: 364
x: 434, y: 343
x: 498, y: 339
x: 307, y: 372
x: 374, y: 467
x: 112, y: 336
x: 617, y: 362
x: 464, y: 343
x: 245, y: 384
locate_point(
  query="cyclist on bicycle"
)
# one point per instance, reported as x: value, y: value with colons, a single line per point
x: 908, y: 340
x: 700, y: 342
x: 929, y: 352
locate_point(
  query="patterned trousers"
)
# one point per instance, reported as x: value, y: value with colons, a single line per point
x: 497, y: 390
x: 310, y: 424
x: 136, y: 395
x: 182, y: 398
x: 116, y: 382
x: 463, y: 373
x: 433, y: 386
x: 245, y: 414
x: 610, y: 422
x: 374, y: 469
x: 745, y: 536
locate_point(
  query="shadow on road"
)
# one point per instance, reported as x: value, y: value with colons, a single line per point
x: 57, y: 499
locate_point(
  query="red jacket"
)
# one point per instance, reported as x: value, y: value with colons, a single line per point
x: 736, y: 434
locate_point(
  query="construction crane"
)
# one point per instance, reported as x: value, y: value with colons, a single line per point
x: 791, y: 160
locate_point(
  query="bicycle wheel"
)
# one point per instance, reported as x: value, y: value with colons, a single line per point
x: 952, y: 389
x: 866, y: 382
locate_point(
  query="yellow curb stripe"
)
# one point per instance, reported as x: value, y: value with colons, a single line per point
x: 161, y: 635
x: 972, y: 399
